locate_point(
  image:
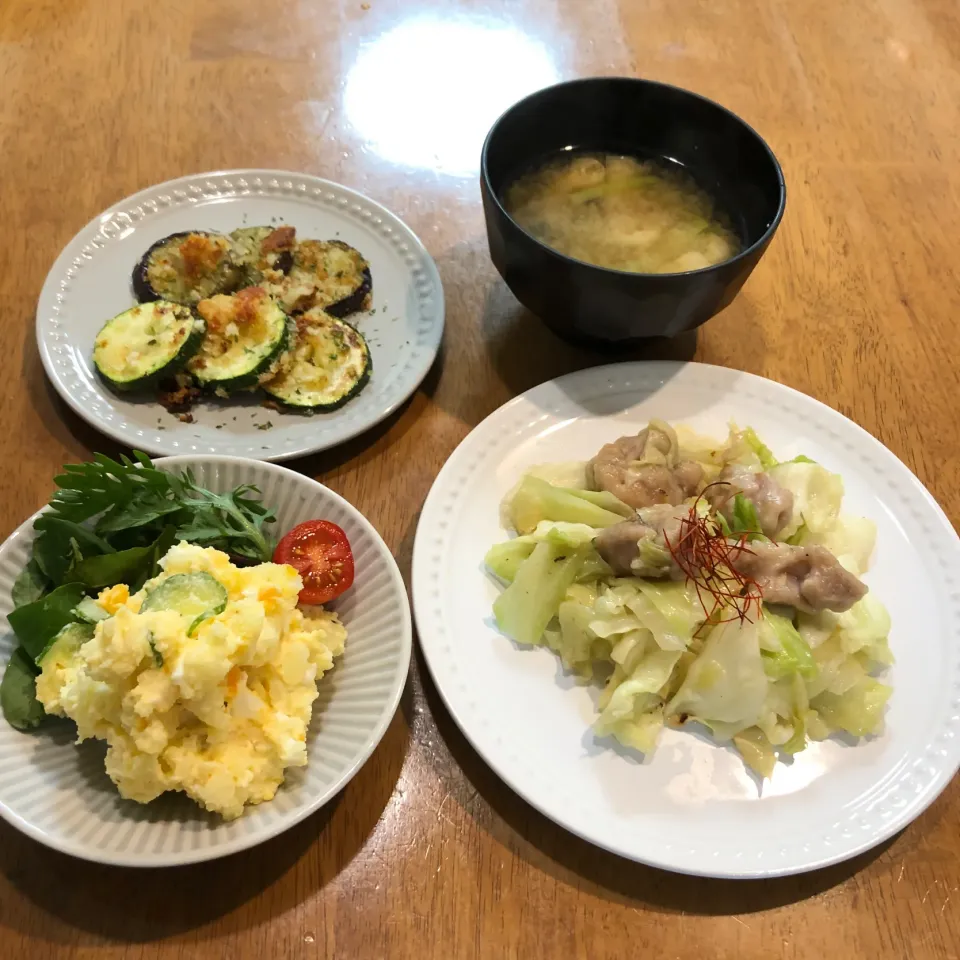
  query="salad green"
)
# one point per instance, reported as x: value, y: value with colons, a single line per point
x: 110, y: 522
x: 769, y: 679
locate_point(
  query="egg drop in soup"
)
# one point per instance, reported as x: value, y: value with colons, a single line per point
x: 622, y: 213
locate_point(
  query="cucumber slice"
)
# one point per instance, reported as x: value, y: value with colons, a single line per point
x: 146, y: 343
x: 90, y: 611
x: 66, y: 643
x: 246, y: 334
x: 154, y: 652
x: 197, y: 596
x: 328, y: 365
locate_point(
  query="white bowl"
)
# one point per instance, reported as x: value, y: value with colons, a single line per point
x: 59, y: 794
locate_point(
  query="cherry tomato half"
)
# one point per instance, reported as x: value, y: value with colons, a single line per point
x: 321, y: 554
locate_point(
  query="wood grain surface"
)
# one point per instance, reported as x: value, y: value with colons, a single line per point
x: 426, y: 853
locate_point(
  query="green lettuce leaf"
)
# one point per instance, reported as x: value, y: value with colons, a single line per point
x: 132, y: 567
x: 18, y: 692
x: 36, y: 623
x: 29, y: 586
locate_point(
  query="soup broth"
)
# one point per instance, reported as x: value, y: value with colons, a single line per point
x: 622, y: 213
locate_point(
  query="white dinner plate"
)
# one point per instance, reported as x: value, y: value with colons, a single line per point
x: 59, y: 793
x: 90, y: 283
x: 692, y: 807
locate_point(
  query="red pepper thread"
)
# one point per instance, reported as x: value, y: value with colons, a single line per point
x: 707, y: 558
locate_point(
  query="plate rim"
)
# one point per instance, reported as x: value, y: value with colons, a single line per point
x: 248, y: 841
x: 427, y: 626
x: 49, y: 293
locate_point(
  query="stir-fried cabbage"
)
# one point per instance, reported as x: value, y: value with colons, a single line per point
x: 851, y: 540
x: 725, y: 686
x: 705, y: 450
x: 532, y: 600
x: 742, y: 447
x: 769, y: 683
x: 535, y: 500
x: 817, y: 494
x: 784, y: 651
x: 504, y: 559
x: 632, y: 707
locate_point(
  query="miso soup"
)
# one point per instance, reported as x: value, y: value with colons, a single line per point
x: 622, y: 213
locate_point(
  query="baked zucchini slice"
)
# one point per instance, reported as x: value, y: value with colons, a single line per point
x: 326, y: 273
x: 247, y: 333
x: 263, y: 254
x: 186, y: 268
x: 146, y: 343
x: 328, y: 365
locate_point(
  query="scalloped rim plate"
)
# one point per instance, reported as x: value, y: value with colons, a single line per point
x: 90, y: 282
x: 692, y: 807
x: 60, y: 795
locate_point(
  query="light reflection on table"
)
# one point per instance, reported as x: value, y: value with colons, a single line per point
x: 424, y: 93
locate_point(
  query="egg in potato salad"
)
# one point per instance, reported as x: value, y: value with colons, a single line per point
x: 203, y: 681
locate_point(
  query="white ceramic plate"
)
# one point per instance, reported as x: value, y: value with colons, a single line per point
x: 59, y: 794
x: 692, y: 807
x: 90, y: 283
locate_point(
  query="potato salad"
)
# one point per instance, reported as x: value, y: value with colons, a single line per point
x: 202, y: 681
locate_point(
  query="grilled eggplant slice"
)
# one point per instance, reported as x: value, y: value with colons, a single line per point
x: 263, y: 254
x: 186, y: 268
x: 246, y: 335
x: 146, y: 343
x: 328, y: 364
x: 325, y: 273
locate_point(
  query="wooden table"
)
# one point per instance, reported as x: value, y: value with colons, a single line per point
x: 426, y: 853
